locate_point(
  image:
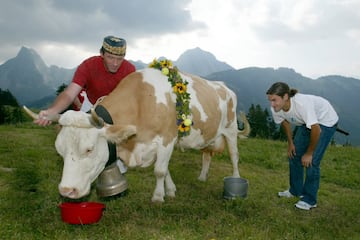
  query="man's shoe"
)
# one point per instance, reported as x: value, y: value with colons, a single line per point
x: 304, y: 205
x: 286, y: 194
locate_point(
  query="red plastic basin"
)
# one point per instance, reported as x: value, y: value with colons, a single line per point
x: 81, y: 213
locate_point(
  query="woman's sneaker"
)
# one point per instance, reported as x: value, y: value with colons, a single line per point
x: 286, y: 194
x: 304, y: 205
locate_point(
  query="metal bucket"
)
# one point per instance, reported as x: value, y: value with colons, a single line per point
x: 111, y: 182
x: 235, y: 187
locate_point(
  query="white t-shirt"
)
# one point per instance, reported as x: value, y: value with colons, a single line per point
x: 309, y: 110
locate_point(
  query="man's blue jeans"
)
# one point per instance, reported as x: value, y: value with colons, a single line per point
x: 310, y: 187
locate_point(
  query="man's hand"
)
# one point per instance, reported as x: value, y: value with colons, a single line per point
x: 306, y: 160
x: 291, y: 150
x: 43, y: 119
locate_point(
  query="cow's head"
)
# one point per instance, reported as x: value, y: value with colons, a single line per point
x: 83, y: 144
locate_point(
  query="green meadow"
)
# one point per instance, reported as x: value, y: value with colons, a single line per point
x: 30, y: 171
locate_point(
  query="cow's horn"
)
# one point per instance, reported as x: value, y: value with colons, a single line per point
x: 97, y: 121
x: 53, y: 118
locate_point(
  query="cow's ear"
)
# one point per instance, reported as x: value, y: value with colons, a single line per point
x: 119, y: 133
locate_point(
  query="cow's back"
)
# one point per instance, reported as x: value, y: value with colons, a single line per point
x: 146, y: 99
x: 213, y: 107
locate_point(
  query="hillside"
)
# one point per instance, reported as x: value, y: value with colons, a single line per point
x: 33, y: 83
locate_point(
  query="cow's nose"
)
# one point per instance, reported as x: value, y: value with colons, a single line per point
x: 69, y: 192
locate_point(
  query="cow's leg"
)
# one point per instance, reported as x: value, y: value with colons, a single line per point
x: 161, y: 179
x: 161, y: 172
x: 206, y: 160
x: 231, y: 140
x: 158, y: 195
x: 169, y: 185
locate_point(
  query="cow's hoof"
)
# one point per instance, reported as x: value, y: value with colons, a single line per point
x: 202, y: 178
x: 157, y: 199
x: 170, y: 194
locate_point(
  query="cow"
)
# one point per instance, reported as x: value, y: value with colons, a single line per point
x: 145, y: 131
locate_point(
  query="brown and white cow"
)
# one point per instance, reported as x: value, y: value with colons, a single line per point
x: 144, y: 129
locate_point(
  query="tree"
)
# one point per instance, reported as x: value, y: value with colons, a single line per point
x: 60, y: 89
x: 262, y: 124
x: 6, y: 98
x: 10, y: 111
x: 258, y: 122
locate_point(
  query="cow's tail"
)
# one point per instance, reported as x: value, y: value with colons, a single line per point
x: 244, y: 133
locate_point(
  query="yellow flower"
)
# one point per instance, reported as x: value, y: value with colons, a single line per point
x: 182, y: 97
x: 179, y: 88
x: 187, y: 122
x: 153, y: 63
x: 165, y: 71
x: 182, y: 128
x: 165, y: 63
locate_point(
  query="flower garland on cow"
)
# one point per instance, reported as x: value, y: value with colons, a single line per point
x: 179, y: 86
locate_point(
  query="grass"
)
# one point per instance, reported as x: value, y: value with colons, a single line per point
x: 30, y: 170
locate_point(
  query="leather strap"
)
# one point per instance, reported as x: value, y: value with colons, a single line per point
x: 104, y: 114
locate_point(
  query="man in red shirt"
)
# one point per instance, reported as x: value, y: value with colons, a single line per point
x: 97, y: 75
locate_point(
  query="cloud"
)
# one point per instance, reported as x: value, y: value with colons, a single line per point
x: 310, y: 36
x: 307, y: 20
x: 44, y: 24
x: 83, y: 21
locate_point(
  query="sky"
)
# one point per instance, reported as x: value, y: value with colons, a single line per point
x: 314, y: 37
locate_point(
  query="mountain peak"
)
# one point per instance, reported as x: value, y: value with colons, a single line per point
x: 28, y: 55
x: 27, y: 52
x: 197, y: 53
x: 27, y: 76
x: 200, y: 62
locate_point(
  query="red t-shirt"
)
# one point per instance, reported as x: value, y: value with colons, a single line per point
x: 96, y: 80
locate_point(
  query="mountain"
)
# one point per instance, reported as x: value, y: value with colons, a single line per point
x: 195, y: 61
x: 33, y: 83
x: 28, y: 78
x: 199, y: 62
x: 251, y: 84
x: 138, y: 64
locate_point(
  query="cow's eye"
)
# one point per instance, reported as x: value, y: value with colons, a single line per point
x: 89, y: 150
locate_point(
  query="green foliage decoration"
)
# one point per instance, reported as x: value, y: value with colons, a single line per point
x: 183, y: 116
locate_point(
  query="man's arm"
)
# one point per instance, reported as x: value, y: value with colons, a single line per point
x: 60, y: 104
x: 306, y: 159
x: 291, y: 147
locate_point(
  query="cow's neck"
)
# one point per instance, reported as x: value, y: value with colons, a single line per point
x: 105, y: 115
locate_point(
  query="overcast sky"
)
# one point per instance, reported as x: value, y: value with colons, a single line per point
x: 314, y: 37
